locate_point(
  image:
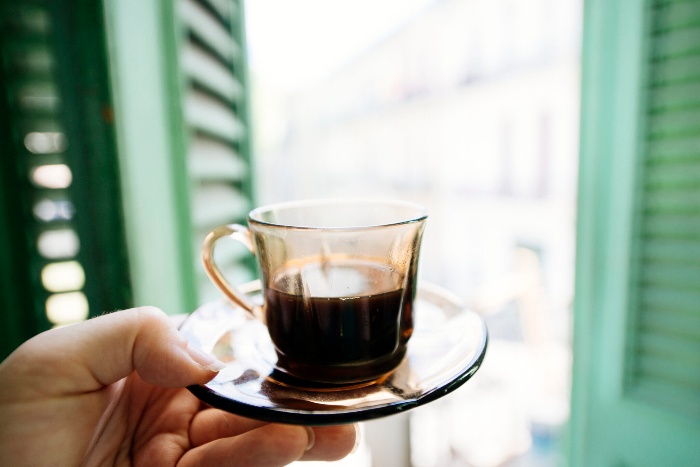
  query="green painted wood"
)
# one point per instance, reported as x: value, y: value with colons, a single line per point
x: 56, y: 111
x: 188, y: 87
x: 636, y: 392
x: 151, y: 154
x: 213, y: 75
x: 21, y: 314
x: 88, y: 118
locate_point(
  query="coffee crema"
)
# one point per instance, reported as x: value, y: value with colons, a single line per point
x: 339, y: 320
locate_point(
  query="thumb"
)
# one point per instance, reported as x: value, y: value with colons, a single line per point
x: 98, y: 352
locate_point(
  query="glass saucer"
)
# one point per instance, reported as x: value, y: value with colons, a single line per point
x: 446, y: 349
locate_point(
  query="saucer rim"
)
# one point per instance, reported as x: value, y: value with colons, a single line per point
x: 281, y: 414
x: 321, y: 418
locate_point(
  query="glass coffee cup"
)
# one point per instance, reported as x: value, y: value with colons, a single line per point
x: 338, y: 283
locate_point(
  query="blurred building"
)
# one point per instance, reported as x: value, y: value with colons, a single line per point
x: 470, y: 108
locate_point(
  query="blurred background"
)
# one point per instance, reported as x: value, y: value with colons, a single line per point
x: 554, y: 143
x: 471, y: 109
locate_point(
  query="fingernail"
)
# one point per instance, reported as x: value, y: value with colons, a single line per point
x: 358, y: 438
x: 312, y: 437
x: 205, y: 360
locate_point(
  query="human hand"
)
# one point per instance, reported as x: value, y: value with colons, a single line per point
x: 111, y: 390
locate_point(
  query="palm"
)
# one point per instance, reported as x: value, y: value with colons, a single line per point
x: 161, y: 431
x: 149, y: 425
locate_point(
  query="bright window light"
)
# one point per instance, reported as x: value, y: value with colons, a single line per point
x: 63, y: 277
x: 61, y: 243
x: 45, y: 142
x: 66, y: 308
x: 49, y: 210
x: 52, y: 176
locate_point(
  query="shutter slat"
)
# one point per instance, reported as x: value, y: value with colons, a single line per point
x: 31, y: 21
x: 673, y: 201
x: 215, y: 160
x: 672, y: 323
x: 212, y: 116
x: 674, y: 96
x: 208, y: 30
x: 684, y: 301
x: 675, y: 42
x: 672, y: 227
x: 670, y: 124
x: 685, y: 175
x: 677, y: 69
x: 668, y: 368
x: 225, y: 9
x: 217, y: 203
x: 663, y: 392
x: 31, y: 123
x: 681, y: 148
x: 204, y: 70
x: 672, y: 276
x: 35, y: 60
x: 38, y: 98
x: 675, y: 15
x: 684, y: 251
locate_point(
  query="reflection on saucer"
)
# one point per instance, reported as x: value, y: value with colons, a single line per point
x: 446, y: 349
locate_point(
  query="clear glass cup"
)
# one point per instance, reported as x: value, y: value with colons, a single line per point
x: 338, y: 282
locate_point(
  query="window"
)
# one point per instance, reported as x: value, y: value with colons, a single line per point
x: 453, y: 107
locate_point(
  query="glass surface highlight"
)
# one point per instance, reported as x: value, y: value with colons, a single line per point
x: 446, y: 350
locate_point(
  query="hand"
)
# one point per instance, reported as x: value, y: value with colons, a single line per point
x: 111, y: 391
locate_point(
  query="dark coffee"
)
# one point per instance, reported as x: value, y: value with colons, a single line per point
x: 339, y: 320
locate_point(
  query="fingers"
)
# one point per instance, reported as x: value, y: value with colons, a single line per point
x: 333, y: 443
x: 212, y: 424
x: 267, y: 446
x: 86, y: 356
x: 329, y: 443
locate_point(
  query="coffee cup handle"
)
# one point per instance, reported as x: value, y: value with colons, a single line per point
x: 242, y: 235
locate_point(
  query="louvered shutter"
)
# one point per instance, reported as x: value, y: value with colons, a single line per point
x: 182, y: 113
x: 636, y: 388
x: 215, y: 107
x: 61, y: 212
x: 664, y: 352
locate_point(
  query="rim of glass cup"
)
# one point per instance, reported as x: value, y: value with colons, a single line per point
x: 420, y: 212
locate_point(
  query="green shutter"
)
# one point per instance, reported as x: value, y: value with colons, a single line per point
x: 22, y: 34
x: 211, y: 59
x: 664, y: 352
x: 180, y: 72
x: 63, y: 231
x: 70, y: 203
x: 636, y: 379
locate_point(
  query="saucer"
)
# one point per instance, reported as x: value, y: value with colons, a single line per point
x: 446, y: 349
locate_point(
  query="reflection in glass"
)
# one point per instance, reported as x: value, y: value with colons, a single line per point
x: 63, y: 277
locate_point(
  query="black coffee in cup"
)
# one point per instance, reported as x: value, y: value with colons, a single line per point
x: 338, y: 279
x: 339, y: 319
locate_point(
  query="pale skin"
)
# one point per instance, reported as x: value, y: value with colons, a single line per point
x: 111, y: 391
